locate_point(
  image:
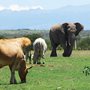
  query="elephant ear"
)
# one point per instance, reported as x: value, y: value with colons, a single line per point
x: 64, y: 27
x: 79, y: 28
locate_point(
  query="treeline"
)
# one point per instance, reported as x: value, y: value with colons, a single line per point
x: 39, y: 35
x: 81, y: 43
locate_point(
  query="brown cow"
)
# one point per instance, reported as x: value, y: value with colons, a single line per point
x: 11, y: 54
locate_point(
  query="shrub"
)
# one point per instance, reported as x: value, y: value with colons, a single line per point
x: 84, y: 44
x: 32, y: 37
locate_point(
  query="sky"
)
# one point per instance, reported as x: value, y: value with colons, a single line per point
x: 27, y: 5
x: 42, y: 4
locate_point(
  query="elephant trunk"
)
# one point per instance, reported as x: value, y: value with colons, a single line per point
x: 69, y: 45
x: 70, y: 39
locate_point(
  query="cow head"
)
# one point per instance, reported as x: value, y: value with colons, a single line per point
x: 25, y: 41
x: 23, y: 70
x: 25, y: 44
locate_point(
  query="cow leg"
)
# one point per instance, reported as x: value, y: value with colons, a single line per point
x: 30, y: 58
x: 35, y: 58
x: 43, y: 54
x: 12, y: 79
x: 38, y: 60
x: 34, y: 61
x: 43, y: 62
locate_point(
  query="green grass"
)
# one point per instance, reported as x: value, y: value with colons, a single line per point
x: 59, y: 73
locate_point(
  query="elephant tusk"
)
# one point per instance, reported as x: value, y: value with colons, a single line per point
x: 69, y: 44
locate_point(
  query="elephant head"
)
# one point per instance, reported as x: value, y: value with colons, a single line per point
x: 64, y: 34
x: 70, y: 30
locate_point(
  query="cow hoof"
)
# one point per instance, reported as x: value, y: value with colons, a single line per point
x: 15, y: 82
x: 38, y: 62
x: 43, y: 63
x: 34, y: 63
x: 23, y: 81
x: 11, y: 82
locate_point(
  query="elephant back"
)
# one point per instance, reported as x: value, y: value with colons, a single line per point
x: 55, y: 27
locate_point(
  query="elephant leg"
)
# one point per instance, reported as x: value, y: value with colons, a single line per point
x: 54, y: 53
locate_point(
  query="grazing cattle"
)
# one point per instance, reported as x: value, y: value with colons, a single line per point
x: 11, y: 54
x: 39, y: 47
x: 27, y: 53
x: 25, y: 44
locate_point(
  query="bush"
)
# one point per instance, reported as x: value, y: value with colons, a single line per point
x: 32, y: 37
x: 84, y: 44
x: 2, y: 37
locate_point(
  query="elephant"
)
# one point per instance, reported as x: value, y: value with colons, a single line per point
x: 64, y: 34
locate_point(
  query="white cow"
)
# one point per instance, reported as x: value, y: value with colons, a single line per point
x: 39, y: 47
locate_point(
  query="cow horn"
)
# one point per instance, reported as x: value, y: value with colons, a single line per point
x: 29, y: 67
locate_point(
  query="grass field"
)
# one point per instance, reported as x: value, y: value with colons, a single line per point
x: 59, y: 73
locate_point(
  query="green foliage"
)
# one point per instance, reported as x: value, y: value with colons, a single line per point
x: 48, y: 44
x: 33, y: 36
x: 84, y: 43
x: 83, y: 40
x: 2, y: 37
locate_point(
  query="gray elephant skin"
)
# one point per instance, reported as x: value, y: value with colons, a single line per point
x: 64, y: 35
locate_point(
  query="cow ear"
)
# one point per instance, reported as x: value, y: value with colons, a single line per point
x: 79, y: 28
x: 64, y: 27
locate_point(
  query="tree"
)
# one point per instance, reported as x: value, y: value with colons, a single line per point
x: 33, y: 37
x: 2, y: 37
x: 84, y: 44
